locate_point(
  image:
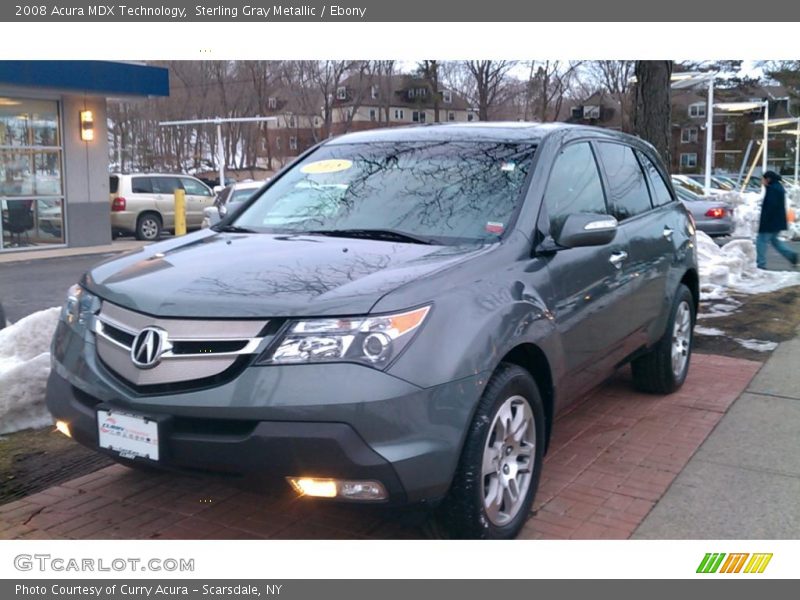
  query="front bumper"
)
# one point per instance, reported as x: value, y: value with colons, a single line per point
x: 342, y: 421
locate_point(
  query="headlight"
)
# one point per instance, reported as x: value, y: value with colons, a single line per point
x: 373, y: 341
x: 79, y: 306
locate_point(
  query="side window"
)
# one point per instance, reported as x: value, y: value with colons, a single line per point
x: 194, y: 187
x: 659, y: 192
x: 166, y: 185
x: 574, y: 186
x: 628, y: 194
x: 141, y: 185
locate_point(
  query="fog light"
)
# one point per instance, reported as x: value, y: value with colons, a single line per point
x: 308, y: 486
x: 63, y: 427
x: 335, y: 488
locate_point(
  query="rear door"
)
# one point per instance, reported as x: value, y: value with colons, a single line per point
x: 647, y: 263
x: 666, y: 225
x: 589, y: 283
x: 198, y: 197
x: 164, y: 188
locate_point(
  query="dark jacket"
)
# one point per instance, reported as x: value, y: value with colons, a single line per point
x: 773, y: 210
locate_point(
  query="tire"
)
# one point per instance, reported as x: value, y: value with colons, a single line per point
x: 148, y: 227
x: 658, y: 371
x: 464, y: 512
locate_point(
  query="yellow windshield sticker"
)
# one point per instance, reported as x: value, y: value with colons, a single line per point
x: 333, y: 165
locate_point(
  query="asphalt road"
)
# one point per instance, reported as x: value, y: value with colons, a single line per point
x: 30, y: 286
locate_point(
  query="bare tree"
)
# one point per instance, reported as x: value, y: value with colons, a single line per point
x: 549, y: 83
x: 615, y: 77
x: 429, y: 70
x: 489, y: 77
x: 652, y: 112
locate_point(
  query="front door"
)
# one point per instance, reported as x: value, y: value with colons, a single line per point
x: 589, y: 283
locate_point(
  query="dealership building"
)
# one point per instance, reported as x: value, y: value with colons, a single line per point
x: 54, y: 148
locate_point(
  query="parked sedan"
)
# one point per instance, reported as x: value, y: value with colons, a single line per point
x: 718, y: 186
x: 711, y: 216
x: 230, y: 198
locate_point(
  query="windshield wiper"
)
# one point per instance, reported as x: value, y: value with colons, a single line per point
x: 234, y: 229
x: 389, y: 235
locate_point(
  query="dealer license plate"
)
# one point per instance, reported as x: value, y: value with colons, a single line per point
x: 129, y: 435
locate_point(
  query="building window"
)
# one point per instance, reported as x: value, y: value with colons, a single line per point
x: 292, y: 142
x: 31, y: 188
x: 373, y: 92
x: 577, y: 112
x: 272, y: 103
x: 447, y: 96
x: 418, y: 116
x: 730, y: 132
x: 399, y: 114
x: 591, y: 112
x: 341, y: 93
x: 291, y: 122
x: 470, y: 116
x: 373, y: 114
x: 697, y: 110
x: 451, y: 116
x: 419, y: 92
x: 277, y: 143
x: 689, y: 160
x: 689, y: 135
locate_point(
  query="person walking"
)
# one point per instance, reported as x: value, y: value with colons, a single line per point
x: 773, y: 221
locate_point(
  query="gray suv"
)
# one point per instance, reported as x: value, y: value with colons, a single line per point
x: 397, y: 317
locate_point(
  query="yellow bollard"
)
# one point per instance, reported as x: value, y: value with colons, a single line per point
x: 180, y: 212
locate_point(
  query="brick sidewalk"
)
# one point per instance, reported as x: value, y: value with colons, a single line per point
x: 612, y: 456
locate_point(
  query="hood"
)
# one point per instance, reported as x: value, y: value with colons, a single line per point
x: 224, y: 275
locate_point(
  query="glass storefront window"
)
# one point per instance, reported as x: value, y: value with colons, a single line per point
x: 31, y: 181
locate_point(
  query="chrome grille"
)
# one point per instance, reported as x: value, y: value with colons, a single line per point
x: 193, y: 349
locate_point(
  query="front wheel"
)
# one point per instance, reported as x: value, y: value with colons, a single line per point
x: 497, y: 476
x: 664, y: 368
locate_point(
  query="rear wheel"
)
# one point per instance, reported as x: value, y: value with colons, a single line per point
x: 497, y: 476
x: 664, y: 368
x: 148, y: 227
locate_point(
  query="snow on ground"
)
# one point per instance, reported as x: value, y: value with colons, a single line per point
x: 732, y: 268
x: 710, y: 331
x: 757, y: 345
x: 24, y: 367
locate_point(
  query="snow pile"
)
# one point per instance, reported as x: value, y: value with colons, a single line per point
x: 24, y: 367
x: 732, y: 268
x: 793, y: 203
x: 747, y: 210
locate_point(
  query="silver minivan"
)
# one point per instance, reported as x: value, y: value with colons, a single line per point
x: 144, y: 203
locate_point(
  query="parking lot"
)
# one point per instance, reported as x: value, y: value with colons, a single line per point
x: 613, y: 456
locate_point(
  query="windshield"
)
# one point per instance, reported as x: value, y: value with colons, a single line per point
x: 242, y: 195
x: 447, y: 192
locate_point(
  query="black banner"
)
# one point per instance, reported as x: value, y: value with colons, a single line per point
x: 405, y: 11
x: 398, y: 589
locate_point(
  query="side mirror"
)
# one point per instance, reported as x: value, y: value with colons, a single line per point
x: 586, y: 229
x: 212, y: 214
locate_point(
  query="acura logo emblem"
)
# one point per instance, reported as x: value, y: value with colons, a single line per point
x: 148, y: 346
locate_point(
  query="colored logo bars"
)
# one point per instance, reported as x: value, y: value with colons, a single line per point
x: 718, y: 563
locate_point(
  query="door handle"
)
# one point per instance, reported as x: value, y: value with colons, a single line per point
x: 667, y: 232
x: 617, y: 258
